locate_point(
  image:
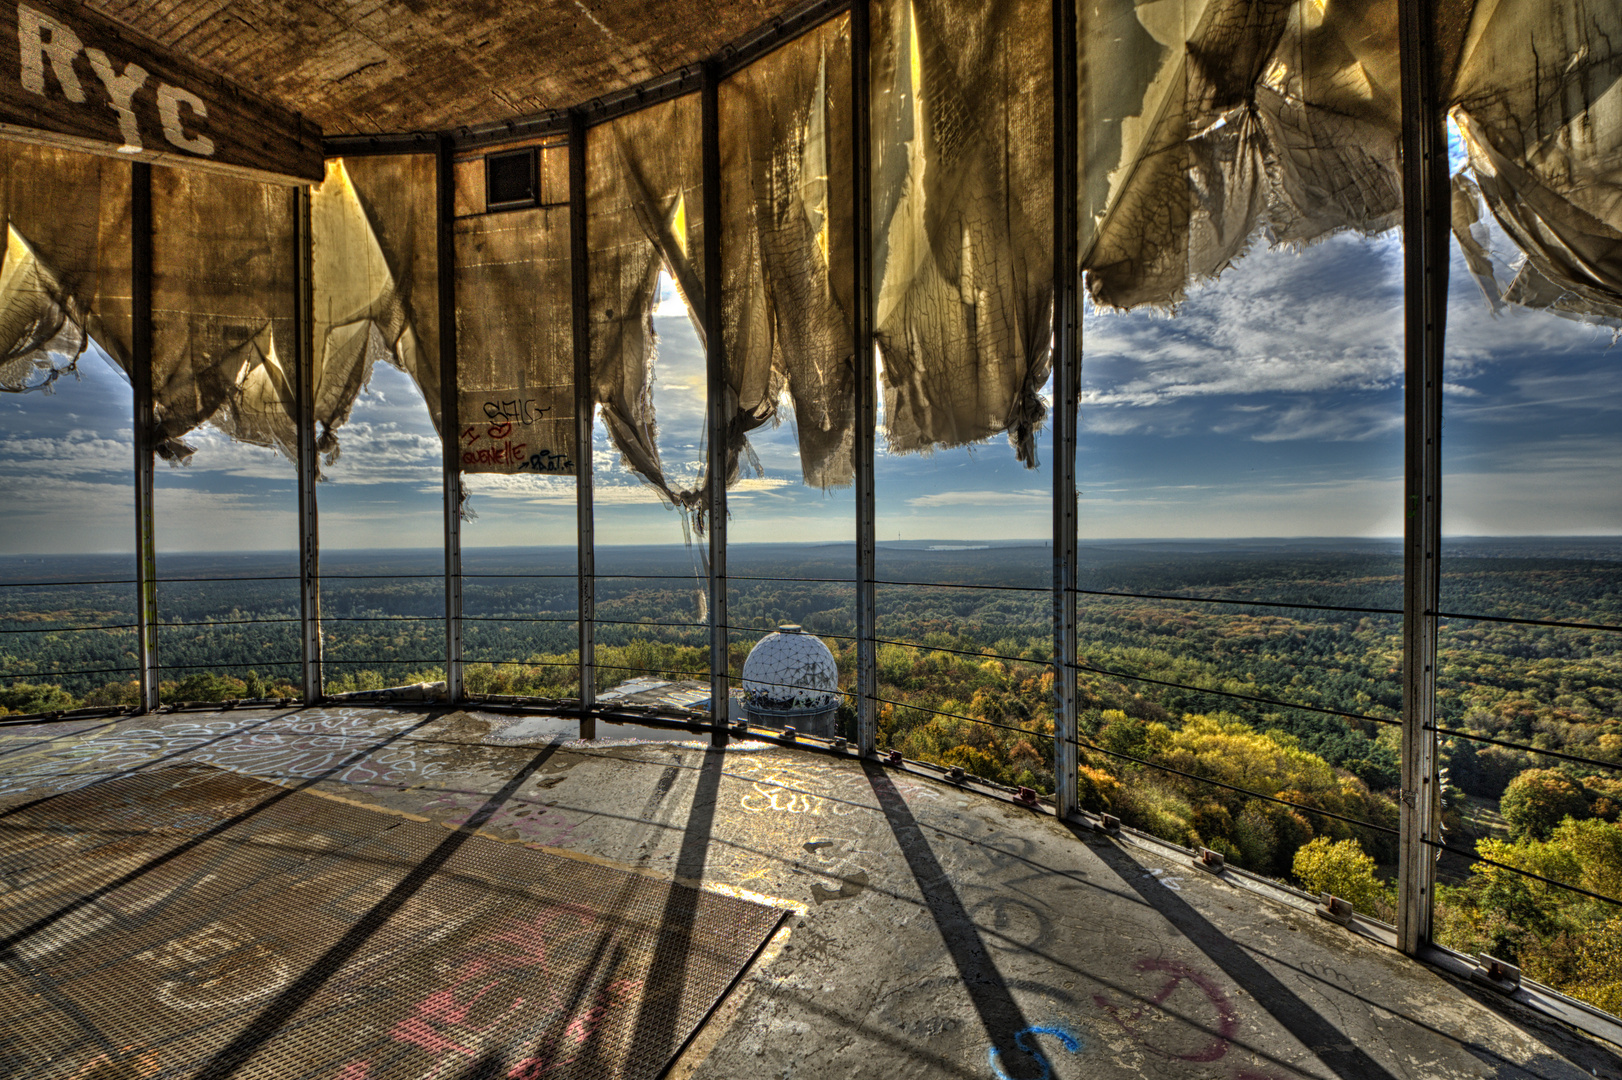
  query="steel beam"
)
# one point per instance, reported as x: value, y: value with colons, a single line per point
x: 1425, y: 264
x: 867, y: 416
x: 448, y: 421
x: 1066, y: 391
x: 718, y: 413
x: 304, y: 418
x: 146, y: 549
x: 586, y: 529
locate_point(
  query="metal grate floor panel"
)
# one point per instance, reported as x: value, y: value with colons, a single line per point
x: 190, y: 922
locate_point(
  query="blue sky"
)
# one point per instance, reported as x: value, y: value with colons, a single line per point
x: 1270, y: 405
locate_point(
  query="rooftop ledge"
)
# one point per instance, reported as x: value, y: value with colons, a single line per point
x: 904, y: 925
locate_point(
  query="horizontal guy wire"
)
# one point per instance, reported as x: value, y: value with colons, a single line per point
x: 1473, y: 737
x: 1241, y: 603
x: 946, y: 585
x: 1532, y: 622
x: 964, y: 652
x: 220, y: 622
x: 56, y: 584
x: 215, y: 580
x: 969, y: 719
x: 1474, y: 857
x: 53, y: 674
x: 69, y: 629
x: 1243, y: 791
x: 1240, y: 697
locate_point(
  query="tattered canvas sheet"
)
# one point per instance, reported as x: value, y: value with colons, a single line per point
x: 963, y: 264
x: 786, y: 249
x: 644, y: 207
x: 515, y: 358
x: 372, y: 304
x: 66, y: 241
x: 1538, y: 101
x: 399, y: 194
x: 1232, y: 115
x: 223, y: 290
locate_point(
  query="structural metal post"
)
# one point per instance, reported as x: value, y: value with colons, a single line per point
x: 718, y: 412
x: 586, y: 534
x: 862, y: 317
x: 304, y: 404
x: 448, y: 426
x: 1425, y: 261
x: 1066, y: 380
x: 146, y: 551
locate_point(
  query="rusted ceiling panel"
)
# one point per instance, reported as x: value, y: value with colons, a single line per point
x: 362, y: 66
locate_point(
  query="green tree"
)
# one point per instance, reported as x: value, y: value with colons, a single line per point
x: 1341, y: 867
x: 1540, y: 799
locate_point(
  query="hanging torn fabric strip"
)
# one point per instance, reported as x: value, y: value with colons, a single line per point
x: 963, y: 264
x: 1544, y: 141
x: 786, y: 242
x: 64, y: 273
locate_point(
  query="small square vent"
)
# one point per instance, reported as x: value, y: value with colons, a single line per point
x: 511, y: 180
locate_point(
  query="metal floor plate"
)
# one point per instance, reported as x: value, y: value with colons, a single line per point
x: 190, y: 922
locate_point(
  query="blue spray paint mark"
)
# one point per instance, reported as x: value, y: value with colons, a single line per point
x: 1024, y: 1041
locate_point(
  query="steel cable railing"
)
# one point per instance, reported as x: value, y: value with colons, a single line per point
x: 1474, y: 737
x: 70, y: 629
x: 52, y: 674
x: 1239, y: 697
x: 1476, y: 857
x: 1240, y: 603
x: 1088, y: 745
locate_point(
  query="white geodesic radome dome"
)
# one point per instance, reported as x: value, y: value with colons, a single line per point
x: 791, y: 671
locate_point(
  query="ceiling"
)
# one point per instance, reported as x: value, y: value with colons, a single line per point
x: 375, y: 66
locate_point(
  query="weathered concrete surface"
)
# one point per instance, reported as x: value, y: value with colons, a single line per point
x: 941, y: 934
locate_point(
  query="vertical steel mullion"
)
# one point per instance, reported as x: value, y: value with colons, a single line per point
x: 146, y: 556
x: 1425, y: 255
x: 1066, y: 388
x: 867, y: 689
x: 304, y: 419
x: 716, y: 385
x: 448, y: 427
x: 586, y: 532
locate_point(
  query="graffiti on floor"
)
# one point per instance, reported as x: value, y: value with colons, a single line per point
x: 310, y: 744
x: 508, y: 985
x: 1212, y: 1009
x: 816, y: 789
x: 535, y: 823
x: 1026, y: 1041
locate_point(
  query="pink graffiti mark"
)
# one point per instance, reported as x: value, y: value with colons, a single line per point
x: 441, y: 1025
x: 1227, y: 1016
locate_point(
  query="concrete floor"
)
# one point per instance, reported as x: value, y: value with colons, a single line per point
x: 937, y: 933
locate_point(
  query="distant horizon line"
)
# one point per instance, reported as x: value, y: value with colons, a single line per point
x: 959, y: 544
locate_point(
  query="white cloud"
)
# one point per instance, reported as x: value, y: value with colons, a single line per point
x: 984, y: 499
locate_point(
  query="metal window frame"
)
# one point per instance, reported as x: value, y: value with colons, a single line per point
x: 310, y: 651
x: 1425, y: 266
x: 445, y: 180
x: 146, y: 552
x: 585, y: 515
x: 1066, y: 400
x: 862, y: 319
x: 716, y: 392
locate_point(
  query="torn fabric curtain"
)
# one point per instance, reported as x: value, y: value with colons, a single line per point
x: 374, y: 278
x: 1537, y: 99
x: 1207, y: 120
x: 962, y: 197
x: 64, y: 262
x: 787, y: 240
x: 644, y: 206
x: 223, y: 289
